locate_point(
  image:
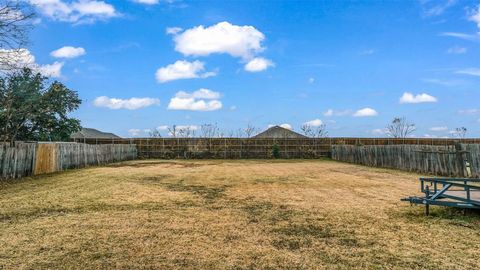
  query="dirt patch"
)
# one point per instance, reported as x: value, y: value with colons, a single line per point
x: 157, y: 179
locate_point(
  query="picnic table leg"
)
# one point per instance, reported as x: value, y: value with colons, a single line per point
x: 427, y: 205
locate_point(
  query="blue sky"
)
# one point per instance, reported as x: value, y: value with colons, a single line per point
x: 353, y: 66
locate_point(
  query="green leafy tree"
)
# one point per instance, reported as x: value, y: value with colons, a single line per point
x: 276, y: 151
x: 33, y: 109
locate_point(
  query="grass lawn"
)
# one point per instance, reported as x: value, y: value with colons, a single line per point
x: 229, y: 215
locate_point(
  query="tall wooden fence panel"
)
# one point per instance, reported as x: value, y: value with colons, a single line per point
x: 17, y: 161
x: 26, y: 159
x: 428, y: 159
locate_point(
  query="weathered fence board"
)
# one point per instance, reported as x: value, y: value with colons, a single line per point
x: 26, y: 159
x: 45, y: 158
x: 437, y: 160
x: 16, y: 161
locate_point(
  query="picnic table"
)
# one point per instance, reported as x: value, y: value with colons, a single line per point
x: 453, y: 192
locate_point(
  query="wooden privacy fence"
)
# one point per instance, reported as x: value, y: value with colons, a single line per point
x: 225, y: 148
x: 255, y: 148
x: 26, y: 159
x: 462, y: 160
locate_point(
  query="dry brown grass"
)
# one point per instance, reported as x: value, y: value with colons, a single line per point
x: 229, y: 215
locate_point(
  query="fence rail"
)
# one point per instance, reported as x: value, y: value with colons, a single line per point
x: 438, y: 160
x: 26, y: 159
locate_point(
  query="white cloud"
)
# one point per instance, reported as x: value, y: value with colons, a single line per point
x: 445, y: 82
x: 80, y: 11
x: 311, y: 80
x: 365, y: 112
x: 438, y: 129
x: 285, y: 125
x: 16, y: 59
x: 201, y: 93
x: 51, y: 70
x: 147, y: 2
x: 436, y: 8
x: 457, y: 50
x: 68, y: 52
x: 190, y: 104
x: 367, y: 52
x: 379, y: 131
x: 333, y: 122
x: 314, y: 123
x: 469, y: 71
x: 258, y: 64
x: 129, y: 104
x: 475, y: 17
x: 224, y: 37
x: 331, y: 112
x: 419, y: 98
x: 22, y: 58
x: 163, y: 127
x: 461, y: 36
x: 200, y: 100
x: 173, y: 30
x: 134, y: 132
x: 182, y: 69
x: 469, y: 111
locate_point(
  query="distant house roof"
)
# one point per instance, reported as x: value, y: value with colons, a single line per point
x: 86, y: 133
x: 278, y: 132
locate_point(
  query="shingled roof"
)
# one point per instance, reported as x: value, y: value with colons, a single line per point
x: 278, y: 132
x: 86, y: 133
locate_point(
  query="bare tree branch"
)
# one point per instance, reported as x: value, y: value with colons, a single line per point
x: 460, y: 132
x: 154, y: 133
x: 209, y: 130
x: 173, y: 131
x: 250, y: 130
x: 314, y: 132
x: 400, y: 128
x: 15, y: 23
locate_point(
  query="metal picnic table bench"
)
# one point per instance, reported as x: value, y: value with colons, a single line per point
x: 454, y: 192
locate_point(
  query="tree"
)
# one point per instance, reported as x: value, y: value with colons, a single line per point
x: 186, y: 132
x: 314, y: 132
x: 250, y: 130
x: 154, y: 133
x: 30, y: 109
x: 173, y: 131
x: 15, y: 22
x: 209, y: 130
x: 306, y: 129
x: 460, y: 132
x: 181, y: 131
x: 400, y: 128
x: 276, y: 151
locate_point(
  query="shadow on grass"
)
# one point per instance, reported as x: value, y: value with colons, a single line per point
x: 208, y: 193
x: 468, y: 218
